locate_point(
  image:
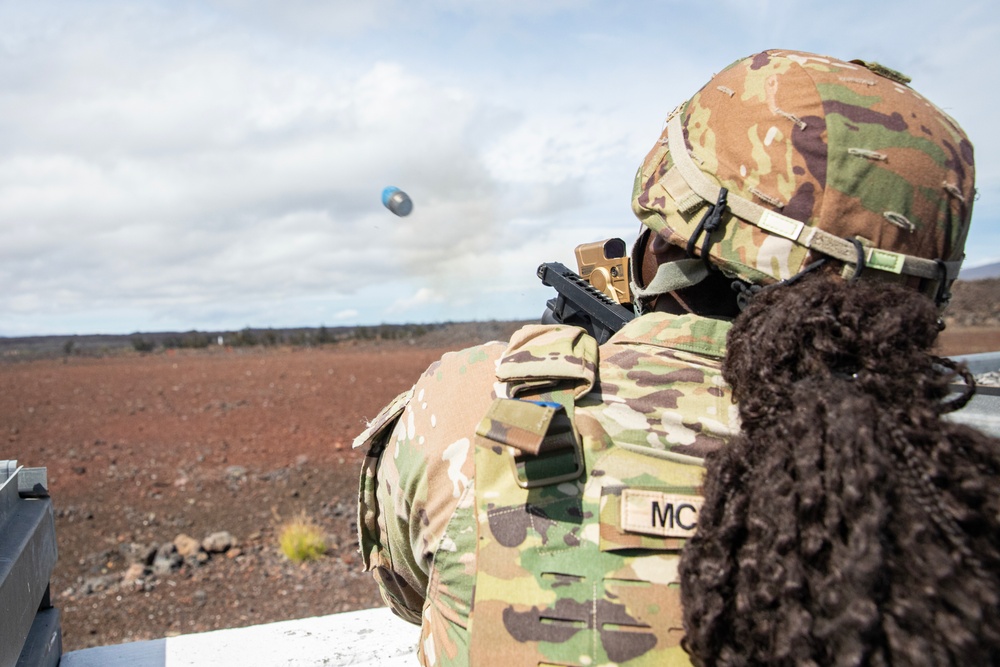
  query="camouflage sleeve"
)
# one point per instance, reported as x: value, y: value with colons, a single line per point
x: 416, y: 473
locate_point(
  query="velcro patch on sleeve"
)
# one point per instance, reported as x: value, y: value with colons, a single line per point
x: 659, y: 513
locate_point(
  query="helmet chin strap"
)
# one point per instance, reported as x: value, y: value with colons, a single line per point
x: 747, y: 291
x: 709, y: 223
x: 670, y: 277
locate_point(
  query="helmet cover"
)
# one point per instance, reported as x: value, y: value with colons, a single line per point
x: 821, y: 158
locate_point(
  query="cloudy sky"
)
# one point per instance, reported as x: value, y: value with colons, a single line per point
x: 179, y: 165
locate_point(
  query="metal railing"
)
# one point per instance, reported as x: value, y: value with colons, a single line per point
x: 983, y: 411
x: 30, y: 633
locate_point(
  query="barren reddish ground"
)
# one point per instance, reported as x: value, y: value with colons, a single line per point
x: 142, y: 448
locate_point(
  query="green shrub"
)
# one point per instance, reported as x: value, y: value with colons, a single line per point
x: 243, y: 338
x: 323, y: 336
x: 270, y: 338
x: 142, y: 345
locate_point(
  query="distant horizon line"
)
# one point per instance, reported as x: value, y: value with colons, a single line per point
x: 176, y: 332
x: 992, y: 267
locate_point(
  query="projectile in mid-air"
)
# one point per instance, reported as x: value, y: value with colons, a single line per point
x: 397, y: 201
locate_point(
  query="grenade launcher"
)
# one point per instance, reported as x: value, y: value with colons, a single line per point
x: 597, y: 298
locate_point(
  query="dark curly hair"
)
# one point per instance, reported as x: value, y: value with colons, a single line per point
x: 848, y: 524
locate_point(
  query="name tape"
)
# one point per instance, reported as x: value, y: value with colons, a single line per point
x: 660, y: 513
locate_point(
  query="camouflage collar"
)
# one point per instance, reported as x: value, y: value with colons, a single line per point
x: 690, y: 333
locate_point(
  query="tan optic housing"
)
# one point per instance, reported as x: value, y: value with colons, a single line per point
x: 604, y: 264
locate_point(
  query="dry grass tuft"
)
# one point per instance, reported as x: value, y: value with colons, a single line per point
x: 301, y: 539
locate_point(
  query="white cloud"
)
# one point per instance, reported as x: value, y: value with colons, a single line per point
x: 213, y: 165
x: 550, y: 150
x: 422, y: 297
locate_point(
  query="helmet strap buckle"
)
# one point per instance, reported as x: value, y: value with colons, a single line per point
x: 709, y: 222
x: 859, y: 265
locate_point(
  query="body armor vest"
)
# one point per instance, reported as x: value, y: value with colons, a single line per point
x: 579, y: 534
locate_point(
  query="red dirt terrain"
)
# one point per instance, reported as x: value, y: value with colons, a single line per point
x: 143, y: 450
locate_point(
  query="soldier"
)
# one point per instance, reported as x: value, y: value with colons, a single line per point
x: 528, y: 503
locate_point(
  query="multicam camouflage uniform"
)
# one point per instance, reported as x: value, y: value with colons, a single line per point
x: 575, y: 572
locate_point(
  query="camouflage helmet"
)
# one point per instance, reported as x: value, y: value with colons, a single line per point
x: 803, y: 157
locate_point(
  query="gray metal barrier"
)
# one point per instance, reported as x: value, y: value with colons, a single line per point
x: 983, y: 411
x: 30, y: 633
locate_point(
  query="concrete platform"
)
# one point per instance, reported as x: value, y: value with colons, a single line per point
x: 370, y: 637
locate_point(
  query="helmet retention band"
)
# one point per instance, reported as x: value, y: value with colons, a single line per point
x: 686, y: 181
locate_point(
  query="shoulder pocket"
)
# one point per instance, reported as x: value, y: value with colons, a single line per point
x: 541, y: 356
x: 370, y: 533
x: 383, y: 421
